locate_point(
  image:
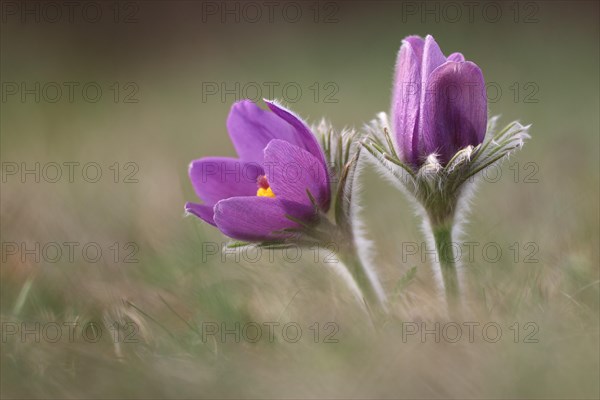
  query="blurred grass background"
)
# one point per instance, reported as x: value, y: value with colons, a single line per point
x: 169, y: 52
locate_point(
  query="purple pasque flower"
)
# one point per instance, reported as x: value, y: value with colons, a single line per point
x: 252, y: 197
x: 439, y: 104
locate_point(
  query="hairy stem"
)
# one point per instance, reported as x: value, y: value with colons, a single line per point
x: 442, y: 235
x: 366, y: 285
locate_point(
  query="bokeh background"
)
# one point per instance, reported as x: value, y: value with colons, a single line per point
x: 166, y: 58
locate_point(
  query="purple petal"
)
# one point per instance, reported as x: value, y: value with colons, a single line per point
x: 407, y: 94
x: 304, y: 136
x: 455, y: 109
x: 457, y: 57
x: 417, y: 43
x: 201, y: 211
x: 432, y: 58
x: 252, y: 128
x: 292, y: 171
x: 217, y: 178
x: 252, y: 218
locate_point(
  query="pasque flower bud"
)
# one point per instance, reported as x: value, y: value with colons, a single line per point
x: 439, y: 104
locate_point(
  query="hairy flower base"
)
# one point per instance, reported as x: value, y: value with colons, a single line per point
x: 435, y: 186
